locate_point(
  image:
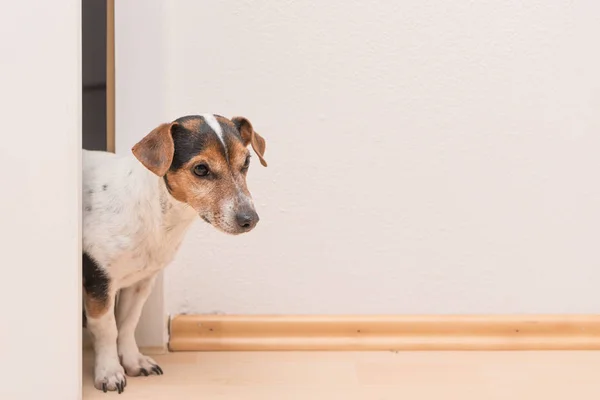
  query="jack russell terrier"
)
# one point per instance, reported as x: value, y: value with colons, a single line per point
x: 136, y: 210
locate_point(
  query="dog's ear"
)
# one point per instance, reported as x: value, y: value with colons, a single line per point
x: 249, y: 136
x: 155, y: 151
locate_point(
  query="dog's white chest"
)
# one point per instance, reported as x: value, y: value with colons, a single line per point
x: 132, y: 227
x: 149, y: 255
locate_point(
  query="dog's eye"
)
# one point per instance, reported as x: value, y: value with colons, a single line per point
x: 246, y: 164
x: 201, y: 170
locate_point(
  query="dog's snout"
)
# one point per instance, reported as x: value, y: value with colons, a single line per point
x: 247, y: 219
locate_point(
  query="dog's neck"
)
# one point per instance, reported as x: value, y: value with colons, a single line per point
x: 176, y: 214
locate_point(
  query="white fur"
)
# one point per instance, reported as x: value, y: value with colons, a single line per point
x: 108, y: 372
x: 216, y: 127
x: 124, y: 227
x: 129, y: 309
x: 132, y: 227
x: 227, y: 214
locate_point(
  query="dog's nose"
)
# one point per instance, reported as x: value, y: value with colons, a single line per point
x: 247, y: 219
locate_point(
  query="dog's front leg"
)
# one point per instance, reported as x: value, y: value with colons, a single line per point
x: 108, y: 372
x: 129, y: 309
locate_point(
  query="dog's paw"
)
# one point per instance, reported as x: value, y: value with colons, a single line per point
x: 139, y: 364
x: 110, y: 378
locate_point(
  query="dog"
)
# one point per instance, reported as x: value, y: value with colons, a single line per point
x: 136, y: 211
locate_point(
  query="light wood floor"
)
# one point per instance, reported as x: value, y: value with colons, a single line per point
x: 369, y: 376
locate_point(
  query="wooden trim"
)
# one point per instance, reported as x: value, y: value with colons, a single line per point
x: 110, y: 75
x: 437, y: 332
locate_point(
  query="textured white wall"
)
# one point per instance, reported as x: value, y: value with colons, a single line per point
x: 424, y: 156
x: 140, y: 102
x: 40, y: 208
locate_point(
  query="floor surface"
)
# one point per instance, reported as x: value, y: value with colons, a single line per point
x: 366, y: 375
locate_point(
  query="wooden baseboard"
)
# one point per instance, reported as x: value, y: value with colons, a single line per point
x: 351, y: 333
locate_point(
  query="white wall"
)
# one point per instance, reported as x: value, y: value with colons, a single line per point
x: 40, y: 291
x: 424, y: 156
x: 140, y: 102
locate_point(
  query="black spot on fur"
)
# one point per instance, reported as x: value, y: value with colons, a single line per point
x: 95, y: 281
x: 91, y: 191
x: 104, y: 187
x: 187, y: 143
x: 130, y: 172
x: 88, y: 208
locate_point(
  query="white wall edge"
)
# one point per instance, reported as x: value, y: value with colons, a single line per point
x: 140, y: 95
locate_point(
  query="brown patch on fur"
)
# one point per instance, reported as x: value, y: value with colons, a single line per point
x: 237, y: 154
x: 250, y: 136
x: 192, y: 124
x: 208, y: 195
x: 155, y: 151
x: 225, y: 121
x: 200, y: 192
x: 96, y: 307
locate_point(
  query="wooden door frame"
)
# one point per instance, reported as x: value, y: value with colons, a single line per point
x: 110, y: 75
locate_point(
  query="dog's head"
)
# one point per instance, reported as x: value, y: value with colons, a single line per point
x: 204, y: 161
